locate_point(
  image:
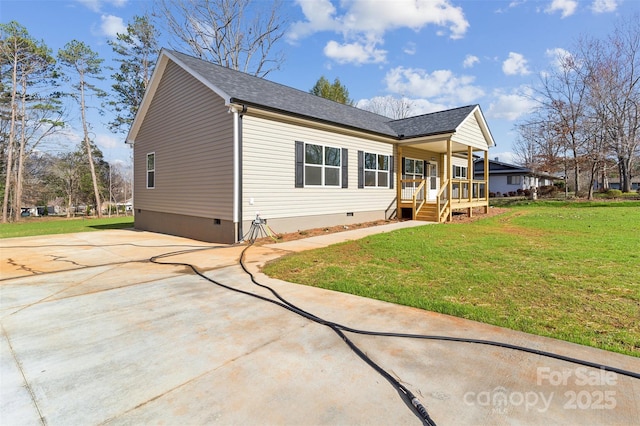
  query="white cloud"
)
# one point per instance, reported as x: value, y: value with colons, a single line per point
x: 511, y: 5
x: 470, y: 61
x: 388, y: 105
x: 516, y: 64
x: 112, y: 25
x: 504, y: 157
x: 357, y: 53
x: 424, y: 106
x: 559, y: 57
x: 96, y: 5
x: 513, y: 105
x: 371, y: 19
x: 410, y: 48
x: 320, y: 15
x: 566, y: 7
x: 440, y: 86
x: 108, y: 141
x: 604, y: 6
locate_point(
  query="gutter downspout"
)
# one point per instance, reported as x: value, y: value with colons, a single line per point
x: 237, y: 168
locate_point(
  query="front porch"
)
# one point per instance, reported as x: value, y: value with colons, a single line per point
x: 445, y: 185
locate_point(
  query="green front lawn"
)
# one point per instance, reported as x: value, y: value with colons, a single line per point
x: 565, y: 270
x: 53, y: 225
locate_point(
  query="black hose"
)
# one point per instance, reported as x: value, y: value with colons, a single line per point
x: 449, y: 338
x: 409, y: 398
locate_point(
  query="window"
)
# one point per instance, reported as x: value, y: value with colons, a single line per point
x: 413, y: 169
x: 514, y: 180
x: 151, y: 170
x: 459, y: 172
x: 322, y: 165
x: 376, y: 170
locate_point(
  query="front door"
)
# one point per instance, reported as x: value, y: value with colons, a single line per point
x: 433, y: 181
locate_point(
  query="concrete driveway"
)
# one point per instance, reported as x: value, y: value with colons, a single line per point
x: 93, y: 333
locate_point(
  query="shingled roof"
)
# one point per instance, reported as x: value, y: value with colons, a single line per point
x: 434, y: 123
x: 242, y: 88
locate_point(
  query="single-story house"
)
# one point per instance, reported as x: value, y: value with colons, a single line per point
x: 505, y: 178
x: 215, y: 147
x: 615, y: 184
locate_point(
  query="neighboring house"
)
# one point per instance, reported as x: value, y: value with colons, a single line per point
x: 505, y: 178
x: 214, y: 147
x: 615, y: 184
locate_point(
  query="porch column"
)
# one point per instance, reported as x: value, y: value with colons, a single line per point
x: 450, y: 173
x: 486, y: 180
x: 470, y: 177
x: 399, y: 183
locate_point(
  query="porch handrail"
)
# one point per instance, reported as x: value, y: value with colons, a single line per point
x: 417, y: 208
x: 470, y: 186
x: 442, y: 207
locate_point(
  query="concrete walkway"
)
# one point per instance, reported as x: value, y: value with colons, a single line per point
x: 93, y: 333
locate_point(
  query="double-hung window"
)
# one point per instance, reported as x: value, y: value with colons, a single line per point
x: 459, y: 172
x: 376, y: 170
x: 514, y: 180
x: 151, y: 170
x: 413, y: 169
x: 322, y: 165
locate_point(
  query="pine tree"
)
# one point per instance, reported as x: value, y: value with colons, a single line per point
x: 137, y: 51
x: 335, y: 92
x: 85, y: 63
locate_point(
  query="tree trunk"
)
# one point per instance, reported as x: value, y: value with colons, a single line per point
x: 576, y: 172
x: 12, y: 139
x: 625, y: 174
x: 592, y: 179
x: 20, y: 169
x: 87, y: 143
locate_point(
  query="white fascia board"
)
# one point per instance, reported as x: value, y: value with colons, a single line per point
x: 484, y: 128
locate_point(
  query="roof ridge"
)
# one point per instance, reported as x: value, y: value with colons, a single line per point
x: 385, y: 118
x: 434, y: 112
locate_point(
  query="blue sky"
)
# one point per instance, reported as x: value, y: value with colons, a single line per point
x: 439, y: 53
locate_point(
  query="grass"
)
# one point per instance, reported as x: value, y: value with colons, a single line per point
x: 568, y: 270
x: 48, y: 226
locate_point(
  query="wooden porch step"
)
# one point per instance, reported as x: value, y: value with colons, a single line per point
x: 428, y: 212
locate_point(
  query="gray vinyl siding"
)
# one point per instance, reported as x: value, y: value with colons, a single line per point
x: 269, y: 173
x: 191, y: 132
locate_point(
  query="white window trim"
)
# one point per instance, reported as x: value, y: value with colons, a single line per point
x: 376, y: 171
x: 517, y: 178
x: 460, y: 175
x: 150, y: 170
x: 322, y: 166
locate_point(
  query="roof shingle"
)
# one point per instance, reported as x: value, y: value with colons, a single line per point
x: 244, y: 88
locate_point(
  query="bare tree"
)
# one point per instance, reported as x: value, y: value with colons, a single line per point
x: 564, y: 94
x: 388, y: 106
x: 86, y: 64
x: 614, y: 82
x: 236, y: 34
x: 65, y: 176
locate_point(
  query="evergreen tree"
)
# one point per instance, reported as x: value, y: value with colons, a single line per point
x: 29, y: 111
x: 85, y: 64
x: 137, y: 51
x: 336, y: 91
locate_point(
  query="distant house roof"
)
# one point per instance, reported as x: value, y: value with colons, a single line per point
x: 236, y: 87
x: 499, y: 168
